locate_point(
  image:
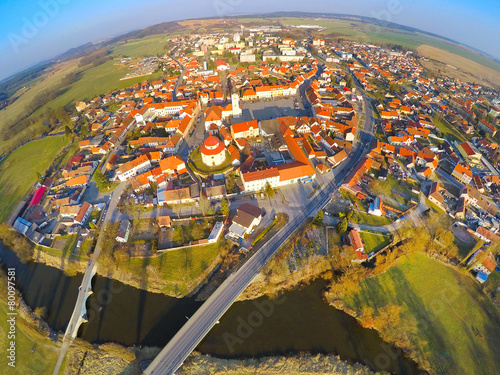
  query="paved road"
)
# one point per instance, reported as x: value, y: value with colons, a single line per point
x: 179, y: 80
x: 75, y: 321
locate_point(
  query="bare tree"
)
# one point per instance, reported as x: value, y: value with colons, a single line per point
x: 204, y: 204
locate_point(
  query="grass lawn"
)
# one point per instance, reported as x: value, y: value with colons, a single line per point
x: 179, y: 270
x: 434, y: 206
x: 364, y: 218
x: 374, y: 242
x: 447, y: 129
x: 198, y: 165
x: 98, y: 80
x: 18, y: 170
x: 146, y: 47
x: 196, y: 230
x: 41, y: 361
x: 457, y: 325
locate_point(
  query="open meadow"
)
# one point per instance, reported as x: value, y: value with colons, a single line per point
x: 35, y: 354
x: 18, y: 172
x: 457, y: 325
x: 458, y: 66
x: 175, y: 272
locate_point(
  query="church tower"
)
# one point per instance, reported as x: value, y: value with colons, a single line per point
x: 235, y: 101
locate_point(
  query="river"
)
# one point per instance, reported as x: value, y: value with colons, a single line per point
x: 298, y: 321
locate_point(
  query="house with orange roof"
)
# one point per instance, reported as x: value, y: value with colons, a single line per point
x: 84, y: 144
x: 249, y: 94
x: 462, y: 173
x: 358, y: 246
x: 418, y: 132
x: 248, y: 129
x: 389, y: 115
x: 83, y: 213
x: 258, y: 179
x: 354, y: 177
x: 133, y: 168
x: 77, y: 181
x: 140, y: 183
x: 213, y: 115
x: 235, y: 155
x: 148, y: 142
x: 482, y: 263
x: 226, y: 137
x: 322, y: 168
x: 173, y: 165
x: 337, y: 158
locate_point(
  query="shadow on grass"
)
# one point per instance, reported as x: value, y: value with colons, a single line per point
x: 430, y: 329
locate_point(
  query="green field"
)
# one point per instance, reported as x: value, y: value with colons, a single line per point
x: 40, y: 361
x: 448, y: 130
x: 93, y: 81
x: 178, y: 271
x: 96, y: 81
x: 457, y: 325
x: 146, y: 47
x: 367, y: 219
x: 374, y: 242
x: 18, y: 172
x: 370, y: 33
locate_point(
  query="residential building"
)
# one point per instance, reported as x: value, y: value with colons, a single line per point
x: 83, y: 213
x: 357, y: 245
x: 462, y: 173
x: 248, y: 129
x: 133, y: 168
x: 123, y: 231
x: 246, y: 219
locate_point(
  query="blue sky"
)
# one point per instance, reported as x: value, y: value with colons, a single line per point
x: 35, y: 30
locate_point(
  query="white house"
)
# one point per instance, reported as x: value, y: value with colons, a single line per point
x: 247, y: 218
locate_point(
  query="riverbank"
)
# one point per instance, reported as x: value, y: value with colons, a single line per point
x: 129, y: 316
x: 198, y: 364
x: 397, y: 295
x: 34, y: 350
x: 70, y: 267
x: 115, y: 359
x: 306, y: 256
x: 178, y: 273
x: 441, y: 318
